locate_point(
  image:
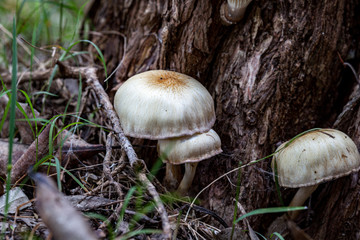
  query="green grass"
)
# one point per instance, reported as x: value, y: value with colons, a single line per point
x: 269, y: 210
x: 11, y: 117
x: 42, y: 23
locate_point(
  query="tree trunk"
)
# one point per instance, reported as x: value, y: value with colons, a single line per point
x: 273, y: 75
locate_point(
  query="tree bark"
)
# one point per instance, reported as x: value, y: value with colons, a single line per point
x: 272, y: 75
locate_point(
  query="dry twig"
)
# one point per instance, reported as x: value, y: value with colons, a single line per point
x: 116, y: 171
x: 106, y: 167
x: 107, y: 173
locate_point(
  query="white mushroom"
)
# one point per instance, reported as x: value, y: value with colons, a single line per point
x: 163, y: 104
x: 315, y: 157
x: 189, y: 150
x: 232, y: 11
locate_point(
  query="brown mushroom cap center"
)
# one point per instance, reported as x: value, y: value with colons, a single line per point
x: 169, y: 81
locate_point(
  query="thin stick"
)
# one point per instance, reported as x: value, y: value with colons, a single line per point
x: 42, y: 75
x: 106, y: 167
x: 107, y: 182
x: 159, y: 205
x: 91, y: 79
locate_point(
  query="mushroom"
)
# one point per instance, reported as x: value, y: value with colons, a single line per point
x: 232, y: 11
x: 189, y: 150
x: 313, y: 158
x: 161, y: 104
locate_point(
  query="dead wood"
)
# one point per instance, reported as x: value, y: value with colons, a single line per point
x: 38, y: 149
x: 106, y: 183
x: 43, y: 74
x: 39, y: 75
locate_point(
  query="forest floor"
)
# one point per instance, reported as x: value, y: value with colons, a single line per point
x: 63, y: 125
x: 67, y: 169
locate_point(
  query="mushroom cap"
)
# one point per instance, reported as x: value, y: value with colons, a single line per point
x: 189, y: 149
x: 237, y: 4
x: 315, y: 157
x: 161, y: 104
x: 233, y: 11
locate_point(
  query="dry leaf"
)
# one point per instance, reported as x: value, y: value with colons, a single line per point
x: 16, y: 198
x: 63, y: 220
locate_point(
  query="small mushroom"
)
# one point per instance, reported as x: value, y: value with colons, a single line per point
x: 313, y: 158
x: 232, y: 11
x: 161, y: 104
x: 189, y: 150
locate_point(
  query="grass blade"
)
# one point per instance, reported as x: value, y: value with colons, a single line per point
x: 270, y: 210
x: 49, y: 164
x: 12, y: 115
x: 277, y: 235
x: 126, y: 203
x: 138, y: 232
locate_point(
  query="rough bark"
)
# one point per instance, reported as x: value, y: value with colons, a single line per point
x: 272, y: 76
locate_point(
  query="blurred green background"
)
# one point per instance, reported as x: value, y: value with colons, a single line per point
x: 41, y: 23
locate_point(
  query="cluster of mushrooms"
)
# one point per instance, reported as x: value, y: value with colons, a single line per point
x: 176, y: 110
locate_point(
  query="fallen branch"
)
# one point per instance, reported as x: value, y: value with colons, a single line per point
x: 345, y: 118
x: 137, y: 165
x: 39, y: 75
x: 42, y: 75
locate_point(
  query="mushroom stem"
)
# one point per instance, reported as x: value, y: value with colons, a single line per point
x: 300, y: 197
x: 172, y: 176
x: 190, y: 169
